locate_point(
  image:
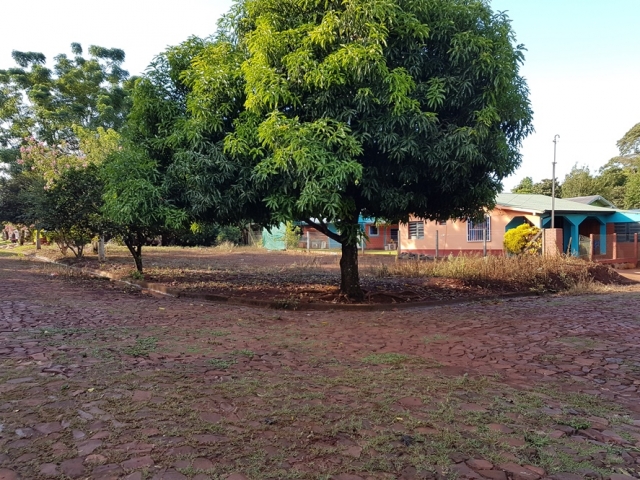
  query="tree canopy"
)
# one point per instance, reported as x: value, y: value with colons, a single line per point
x: 44, y: 103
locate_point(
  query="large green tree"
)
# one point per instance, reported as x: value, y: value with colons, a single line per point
x: 385, y: 108
x: 44, y: 103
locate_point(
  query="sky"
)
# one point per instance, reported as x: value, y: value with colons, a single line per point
x: 582, y: 62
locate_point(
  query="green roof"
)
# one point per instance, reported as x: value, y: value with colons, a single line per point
x: 539, y: 204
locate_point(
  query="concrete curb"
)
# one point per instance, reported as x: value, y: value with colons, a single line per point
x: 281, y: 304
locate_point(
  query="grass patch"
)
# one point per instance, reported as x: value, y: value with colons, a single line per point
x: 246, y: 353
x: 142, y: 348
x: 578, y: 342
x: 220, y: 364
x: 385, y: 358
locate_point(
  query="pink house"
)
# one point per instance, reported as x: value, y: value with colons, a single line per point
x: 573, y: 220
x: 461, y: 237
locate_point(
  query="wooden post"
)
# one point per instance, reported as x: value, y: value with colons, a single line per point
x: 101, y: 251
x: 592, y: 241
x: 615, y: 246
x: 437, y: 244
x: 38, y: 246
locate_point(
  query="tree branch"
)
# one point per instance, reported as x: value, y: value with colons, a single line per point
x: 323, y: 228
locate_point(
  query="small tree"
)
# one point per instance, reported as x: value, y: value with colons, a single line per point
x: 135, y: 200
x: 524, y: 239
x: 72, y: 208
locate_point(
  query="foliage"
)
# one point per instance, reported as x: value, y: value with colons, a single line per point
x: 543, y: 187
x: 229, y: 233
x: 525, y: 186
x: 53, y: 121
x: 135, y: 199
x: 184, y: 134
x: 629, y: 144
x: 72, y: 209
x: 524, y: 239
x: 44, y: 103
x: 611, y: 182
x: 579, y: 183
x: 385, y: 109
x: 291, y: 236
x: 632, y: 191
x: 52, y: 161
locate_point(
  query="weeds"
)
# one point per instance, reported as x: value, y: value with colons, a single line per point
x: 246, y: 353
x: 142, y: 347
x: 220, y: 364
x: 136, y: 275
x: 536, y: 273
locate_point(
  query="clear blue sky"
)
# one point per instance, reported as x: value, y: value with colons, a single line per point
x: 582, y: 65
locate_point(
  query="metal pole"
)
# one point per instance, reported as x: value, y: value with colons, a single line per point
x: 553, y: 183
x: 437, y: 245
x: 484, y: 239
x: 308, y: 241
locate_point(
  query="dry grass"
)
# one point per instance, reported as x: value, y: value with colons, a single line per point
x: 534, y: 272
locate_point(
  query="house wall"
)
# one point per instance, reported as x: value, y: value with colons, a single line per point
x: 453, y: 235
x: 375, y: 242
x: 378, y: 242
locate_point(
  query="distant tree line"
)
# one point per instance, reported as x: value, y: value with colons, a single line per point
x: 618, y: 180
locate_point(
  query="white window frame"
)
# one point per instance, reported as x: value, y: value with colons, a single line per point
x: 475, y: 233
x: 418, y: 228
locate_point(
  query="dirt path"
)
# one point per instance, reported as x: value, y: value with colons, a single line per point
x: 97, y: 382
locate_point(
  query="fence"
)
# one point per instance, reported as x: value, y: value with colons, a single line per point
x: 613, y: 249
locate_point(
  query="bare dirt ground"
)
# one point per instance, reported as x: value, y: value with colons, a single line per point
x: 297, y: 278
x: 104, y: 383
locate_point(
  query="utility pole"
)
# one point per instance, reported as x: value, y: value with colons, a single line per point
x: 553, y: 183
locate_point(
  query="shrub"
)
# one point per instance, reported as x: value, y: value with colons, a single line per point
x: 229, y: 233
x: 291, y: 236
x: 524, y: 239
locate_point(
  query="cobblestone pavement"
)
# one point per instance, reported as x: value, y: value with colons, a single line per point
x: 103, y: 383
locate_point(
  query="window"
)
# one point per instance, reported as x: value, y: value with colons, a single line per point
x: 373, y: 230
x: 475, y: 232
x: 416, y: 230
x: 624, y: 231
x: 394, y: 234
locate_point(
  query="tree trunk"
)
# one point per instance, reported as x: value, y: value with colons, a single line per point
x: 135, y: 250
x: 349, y: 275
x: 137, y: 257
